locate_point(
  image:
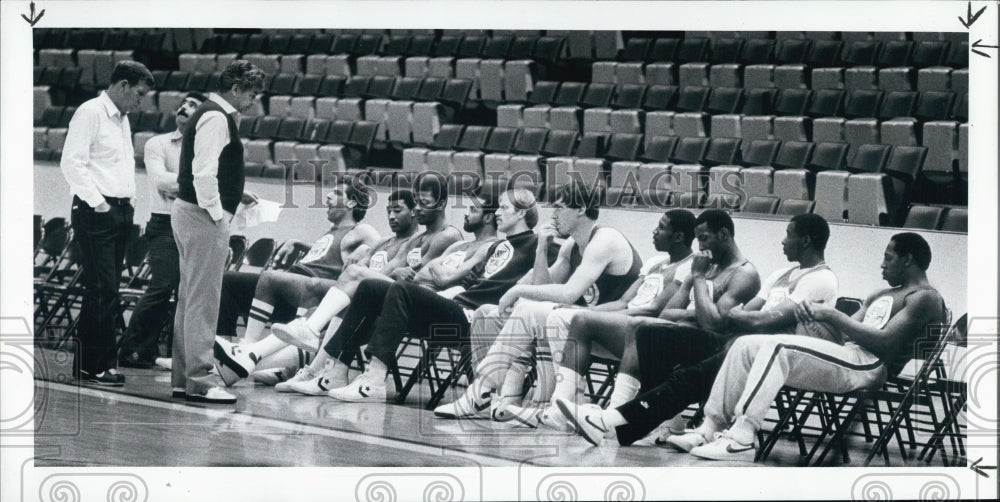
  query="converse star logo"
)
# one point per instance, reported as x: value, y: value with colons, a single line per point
x: 323, y: 383
x: 362, y: 390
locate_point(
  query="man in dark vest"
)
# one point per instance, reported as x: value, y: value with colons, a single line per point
x: 210, y: 187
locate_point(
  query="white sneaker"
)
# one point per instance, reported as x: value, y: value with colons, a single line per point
x: 272, y: 376
x: 318, y: 386
x: 586, y: 420
x: 363, y: 389
x: 234, y: 363
x: 525, y: 416
x: 165, y: 363
x: 552, y: 418
x: 300, y: 376
x: 672, y: 427
x: 215, y: 395
x: 725, y: 447
x: 297, y: 333
x: 684, y: 442
x: 465, y: 406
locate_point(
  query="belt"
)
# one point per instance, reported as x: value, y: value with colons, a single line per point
x: 118, y: 201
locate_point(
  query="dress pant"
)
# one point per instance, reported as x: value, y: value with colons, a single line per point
x: 152, y: 312
x: 417, y: 312
x: 203, y: 246
x: 101, y: 238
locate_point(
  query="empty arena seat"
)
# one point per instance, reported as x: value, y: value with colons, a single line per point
x: 827, y: 157
x: 924, y: 217
x: 831, y: 195
x: 793, y: 207
x: 956, y: 220
x: 930, y: 106
x: 761, y: 205
x: 530, y: 141
x: 869, y: 158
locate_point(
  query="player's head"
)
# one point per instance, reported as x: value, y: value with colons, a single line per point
x: 675, y: 227
x: 240, y: 83
x: 907, y: 254
x: 189, y: 104
x: 574, y: 203
x: 805, y: 232
x: 516, y: 205
x: 346, y: 197
x: 714, y: 230
x: 482, y: 211
x: 432, y: 197
x: 130, y: 81
x: 400, y: 211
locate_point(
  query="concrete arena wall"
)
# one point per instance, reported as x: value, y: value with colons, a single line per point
x: 854, y: 252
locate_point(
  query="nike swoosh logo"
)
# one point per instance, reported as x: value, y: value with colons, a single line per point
x: 362, y: 392
x: 730, y: 449
x: 660, y: 442
x: 599, y: 427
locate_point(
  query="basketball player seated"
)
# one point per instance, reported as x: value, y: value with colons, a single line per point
x: 613, y: 324
x: 274, y: 293
x: 875, y: 343
x: 381, y: 315
x: 421, y: 260
x: 271, y: 353
x: 666, y: 389
x: 595, y: 265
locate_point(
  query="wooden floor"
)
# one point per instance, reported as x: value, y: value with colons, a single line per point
x: 141, y: 425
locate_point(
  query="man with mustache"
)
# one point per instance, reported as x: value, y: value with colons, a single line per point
x: 162, y: 158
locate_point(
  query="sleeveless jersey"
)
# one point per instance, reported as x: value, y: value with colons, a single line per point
x: 717, y: 280
x: 324, y: 258
x: 508, y: 261
x: 785, y: 286
x: 384, y: 252
x: 884, y: 308
x: 416, y: 253
x: 607, y: 287
x: 654, y: 281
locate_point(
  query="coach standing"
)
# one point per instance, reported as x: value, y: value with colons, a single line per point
x: 162, y: 158
x: 210, y: 187
x: 99, y: 165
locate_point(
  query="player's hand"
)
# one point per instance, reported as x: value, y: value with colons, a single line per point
x: 284, y: 253
x: 249, y: 198
x: 546, y: 233
x: 403, y: 274
x: 701, y: 262
x: 508, y: 300
x: 103, y: 207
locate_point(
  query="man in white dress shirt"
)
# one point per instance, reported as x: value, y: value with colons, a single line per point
x: 162, y: 158
x: 99, y: 165
x: 210, y: 183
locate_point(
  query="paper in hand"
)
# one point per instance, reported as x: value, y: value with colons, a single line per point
x: 262, y: 211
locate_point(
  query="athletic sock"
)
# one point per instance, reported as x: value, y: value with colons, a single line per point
x: 333, y: 302
x: 569, y: 384
x: 626, y: 388
x: 301, y: 312
x: 265, y: 346
x: 338, y: 370
x: 612, y: 418
x: 260, y: 314
x: 288, y: 356
x: 512, y: 389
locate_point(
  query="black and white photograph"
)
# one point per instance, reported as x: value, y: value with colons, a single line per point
x: 499, y: 250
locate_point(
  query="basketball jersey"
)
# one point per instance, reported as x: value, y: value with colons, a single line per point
x: 384, y: 252
x: 784, y: 286
x: 324, y: 258
x: 878, y: 314
x: 508, y: 260
x: 416, y: 254
x: 607, y: 287
x: 656, y: 280
x: 717, y: 281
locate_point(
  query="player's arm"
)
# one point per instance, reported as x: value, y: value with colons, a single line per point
x: 620, y: 304
x: 288, y: 250
x: 424, y: 275
x: 599, y: 254
x: 816, y: 287
x: 439, y: 243
x: 444, y: 277
x: 676, y: 308
x: 399, y: 260
x: 361, y: 235
x: 742, y: 288
x: 657, y: 305
x: 921, y: 309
